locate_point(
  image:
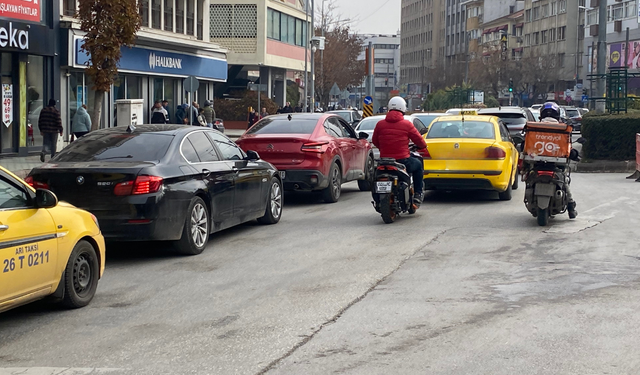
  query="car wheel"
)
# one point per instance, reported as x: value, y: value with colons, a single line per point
x: 81, y: 276
x: 273, y: 212
x: 505, y: 195
x: 365, y: 185
x: 195, y: 234
x: 331, y: 193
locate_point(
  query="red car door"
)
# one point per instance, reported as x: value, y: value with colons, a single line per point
x: 358, y: 156
x: 333, y: 128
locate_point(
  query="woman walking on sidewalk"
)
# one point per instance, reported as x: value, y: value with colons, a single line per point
x: 50, y: 125
x: 81, y: 123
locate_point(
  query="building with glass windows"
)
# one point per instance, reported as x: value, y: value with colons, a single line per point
x: 28, y: 66
x: 386, y: 68
x: 172, y: 44
x: 265, y: 40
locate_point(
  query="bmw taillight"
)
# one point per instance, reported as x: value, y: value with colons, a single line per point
x: 318, y: 147
x: 494, y: 153
x: 36, y: 184
x: 141, y: 185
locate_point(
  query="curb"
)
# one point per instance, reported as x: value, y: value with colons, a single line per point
x: 605, y: 166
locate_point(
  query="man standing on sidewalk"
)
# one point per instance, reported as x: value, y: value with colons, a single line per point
x: 50, y: 125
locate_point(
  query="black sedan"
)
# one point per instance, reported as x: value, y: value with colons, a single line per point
x: 163, y: 182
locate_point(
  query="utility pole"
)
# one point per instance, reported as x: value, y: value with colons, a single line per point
x: 602, y: 56
x: 313, y: 71
x: 306, y: 57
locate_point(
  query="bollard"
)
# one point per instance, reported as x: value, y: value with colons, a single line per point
x: 636, y: 174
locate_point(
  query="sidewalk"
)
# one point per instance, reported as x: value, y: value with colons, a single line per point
x: 21, y: 166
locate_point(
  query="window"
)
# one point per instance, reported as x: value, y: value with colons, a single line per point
x: 616, y: 12
x: 155, y: 14
x: 544, y: 10
x: 189, y: 152
x: 117, y: 146
x: 630, y: 9
x: 562, y: 6
x: 203, y: 146
x: 592, y: 17
x: 144, y: 12
x: 554, y: 8
x: 527, y: 40
x: 459, y: 129
x: 527, y: 15
x: 544, y: 36
x: 168, y: 15
x: 332, y: 128
x: 536, y: 13
x: 552, y: 35
x: 286, y: 28
x: 536, y: 38
x: 229, y: 150
x: 561, y: 60
x: 179, y: 17
x: 273, y: 24
x: 561, y: 32
x: 11, y: 196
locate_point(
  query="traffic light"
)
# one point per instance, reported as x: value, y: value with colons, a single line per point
x: 510, y: 85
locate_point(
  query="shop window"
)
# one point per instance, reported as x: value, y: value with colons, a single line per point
x: 134, y: 90
x: 6, y: 78
x: 35, y: 97
x: 168, y: 15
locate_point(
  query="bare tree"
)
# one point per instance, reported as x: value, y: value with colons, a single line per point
x: 109, y: 25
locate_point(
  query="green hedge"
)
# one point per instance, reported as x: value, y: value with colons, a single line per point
x: 610, y: 137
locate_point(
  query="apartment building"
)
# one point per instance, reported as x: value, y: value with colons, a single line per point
x: 487, y: 21
x: 455, y: 30
x: 620, y: 16
x: 553, y: 30
x: 386, y: 66
x: 265, y: 40
x: 422, y: 46
x: 172, y: 44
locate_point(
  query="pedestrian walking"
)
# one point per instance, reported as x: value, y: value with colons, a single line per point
x: 194, y: 108
x: 264, y: 113
x: 253, y: 118
x: 159, y: 115
x: 50, y: 125
x: 81, y: 123
x: 209, y: 113
x: 287, y: 108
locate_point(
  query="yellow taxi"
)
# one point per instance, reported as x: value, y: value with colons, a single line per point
x: 470, y: 152
x: 47, y: 248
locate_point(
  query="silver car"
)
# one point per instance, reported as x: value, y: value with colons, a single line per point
x: 368, y: 125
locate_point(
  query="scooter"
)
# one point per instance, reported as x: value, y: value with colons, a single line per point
x: 392, y: 189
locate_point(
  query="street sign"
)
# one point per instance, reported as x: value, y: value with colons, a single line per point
x: 585, y: 98
x: 191, y: 84
x: 504, y: 38
x: 368, y: 100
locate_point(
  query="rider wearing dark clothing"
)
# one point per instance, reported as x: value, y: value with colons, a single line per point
x: 392, y: 136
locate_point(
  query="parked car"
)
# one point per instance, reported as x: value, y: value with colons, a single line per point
x: 313, y: 152
x: 351, y: 116
x: 48, y: 248
x: 164, y: 182
x: 514, y: 118
x: 368, y: 125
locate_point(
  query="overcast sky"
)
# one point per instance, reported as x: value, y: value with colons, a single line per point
x: 371, y: 16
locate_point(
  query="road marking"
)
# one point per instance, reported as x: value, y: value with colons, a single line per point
x: 57, y: 370
x: 621, y: 199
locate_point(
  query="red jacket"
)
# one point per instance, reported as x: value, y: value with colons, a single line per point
x: 392, y: 136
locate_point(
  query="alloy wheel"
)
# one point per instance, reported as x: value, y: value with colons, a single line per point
x: 199, y: 225
x: 276, y: 200
x: 335, y: 183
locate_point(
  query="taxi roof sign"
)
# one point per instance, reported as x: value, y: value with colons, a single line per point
x: 469, y: 112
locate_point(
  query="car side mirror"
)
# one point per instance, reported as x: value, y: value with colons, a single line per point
x: 252, y: 155
x: 363, y: 135
x: 46, y: 199
x: 424, y: 131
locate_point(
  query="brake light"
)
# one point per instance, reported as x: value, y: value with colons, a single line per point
x: 318, y: 147
x: 578, y: 118
x: 494, y: 153
x: 36, y: 184
x: 387, y: 168
x: 545, y: 173
x: 141, y: 185
x: 520, y: 164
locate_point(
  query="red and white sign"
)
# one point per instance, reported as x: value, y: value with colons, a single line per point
x: 7, y: 104
x: 26, y: 10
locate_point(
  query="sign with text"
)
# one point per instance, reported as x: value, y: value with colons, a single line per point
x: 26, y: 10
x: 7, y: 104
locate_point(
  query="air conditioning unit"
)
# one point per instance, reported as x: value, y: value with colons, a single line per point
x: 617, y: 26
x: 593, y: 30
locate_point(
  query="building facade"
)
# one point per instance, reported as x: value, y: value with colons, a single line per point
x: 621, y: 15
x: 455, y: 29
x: 422, y: 46
x: 29, y: 65
x: 386, y: 68
x: 172, y: 44
x: 265, y: 40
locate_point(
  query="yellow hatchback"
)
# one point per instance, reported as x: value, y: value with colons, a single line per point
x: 47, y: 248
x: 470, y: 152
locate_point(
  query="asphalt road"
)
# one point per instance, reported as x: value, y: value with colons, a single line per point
x: 469, y: 285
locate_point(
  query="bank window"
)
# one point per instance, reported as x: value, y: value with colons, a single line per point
x: 144, y: 12
x: 155, y: 14
x: 190, y: 17
x: 168, y: 15
x: 180, y: 17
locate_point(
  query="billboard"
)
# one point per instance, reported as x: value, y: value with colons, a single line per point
x: 620, y: 54
x: 25, y: 10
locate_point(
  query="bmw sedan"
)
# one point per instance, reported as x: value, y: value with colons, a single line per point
x: 163, y: 182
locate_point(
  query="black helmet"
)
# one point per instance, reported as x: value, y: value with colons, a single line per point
x: 550, y: 109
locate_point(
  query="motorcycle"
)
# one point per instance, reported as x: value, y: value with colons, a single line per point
x: 546, y: 170
x: 392, y: 189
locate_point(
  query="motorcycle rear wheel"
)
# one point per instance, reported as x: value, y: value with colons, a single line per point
x: 543, y: 217
x: 387, y: 212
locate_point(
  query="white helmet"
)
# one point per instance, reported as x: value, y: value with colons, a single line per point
x: 398, y: 104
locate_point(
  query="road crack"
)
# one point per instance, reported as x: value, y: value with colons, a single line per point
x: 337, y: 316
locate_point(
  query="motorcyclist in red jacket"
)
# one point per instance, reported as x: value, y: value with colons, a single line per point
x: 392, y: 136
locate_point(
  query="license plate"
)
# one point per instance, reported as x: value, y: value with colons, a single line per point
x: 383, y: 186
x: 547, y: 190
x: 282, y: 174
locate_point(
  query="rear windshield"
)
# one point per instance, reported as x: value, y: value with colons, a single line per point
x: 367, y: 124
x: 116, y: 147
x: 573, y: 113
x: 508, y: 118
x: 459, y: 129
x: 282, y: 125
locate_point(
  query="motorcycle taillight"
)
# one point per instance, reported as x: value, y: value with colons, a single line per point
x: 545, y: 173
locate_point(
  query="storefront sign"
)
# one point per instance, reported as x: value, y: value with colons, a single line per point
x: 7, y: 104
x: 150, y: 61
x: 26, y: 10
x: 14, y: 38
x: 24, y: 37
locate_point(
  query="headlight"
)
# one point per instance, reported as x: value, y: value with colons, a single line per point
x: 95, y: 220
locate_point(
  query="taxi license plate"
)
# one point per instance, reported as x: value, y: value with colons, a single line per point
x: 282, y: 174
x: 383, y: 186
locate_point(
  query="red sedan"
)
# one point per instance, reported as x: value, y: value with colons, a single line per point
x: 312, y: 151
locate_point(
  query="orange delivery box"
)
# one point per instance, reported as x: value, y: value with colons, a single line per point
x: 547, y: 139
